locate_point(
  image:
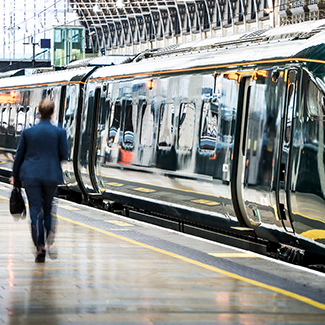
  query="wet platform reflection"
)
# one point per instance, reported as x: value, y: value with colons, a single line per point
x: 104, y: 276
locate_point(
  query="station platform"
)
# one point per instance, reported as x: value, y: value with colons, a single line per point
x: 114, y: 270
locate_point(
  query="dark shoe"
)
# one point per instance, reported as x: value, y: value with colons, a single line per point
x: 40, y: 257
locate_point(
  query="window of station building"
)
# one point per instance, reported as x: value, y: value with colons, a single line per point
x: 147, y: 123
x: 114, y: 124
x: 129, y: 123
x: 315, y: 100
x: 186, y: 126
x: 166, y: 125
x: 208, y: 125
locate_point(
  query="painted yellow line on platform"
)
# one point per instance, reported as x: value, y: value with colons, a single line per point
x: 206, y: 266
x: 4, y: 188
x: 114, y: 184
x: 314, y: 234
x: 68, y: 207
x: 119, y: 223
x: 205, y: 202
x: 3, y: 197
x: 233, y: 255
x: 143, y: 189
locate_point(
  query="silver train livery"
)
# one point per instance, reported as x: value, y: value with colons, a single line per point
x: 223, y: 136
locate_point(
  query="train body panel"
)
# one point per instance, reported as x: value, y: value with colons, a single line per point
x: 228, y: 137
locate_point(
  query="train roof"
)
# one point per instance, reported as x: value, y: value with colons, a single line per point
x: 51, y: 77
x: 105, y: 60
x: 293, y: 41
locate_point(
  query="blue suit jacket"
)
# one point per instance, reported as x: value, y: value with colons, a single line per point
x: 39, y: 154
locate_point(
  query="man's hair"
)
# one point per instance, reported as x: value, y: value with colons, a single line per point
x: 46, y: 108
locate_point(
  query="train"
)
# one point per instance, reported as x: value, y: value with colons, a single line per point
x: 220, y: 136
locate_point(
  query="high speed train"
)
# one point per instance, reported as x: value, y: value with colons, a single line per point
x: 223, y: 135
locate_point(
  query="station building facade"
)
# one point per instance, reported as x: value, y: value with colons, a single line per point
x: 87, y: 28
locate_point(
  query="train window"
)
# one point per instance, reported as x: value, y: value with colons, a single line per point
x: 21, y: 120
x: 287, y: 133
x: 44, y: 93
x: 208, y: 126
x: 4, y: 119
x: 36, y: 116
x: 25, y: 98
x: 166, y: 122
x: 315, y: 100
x: 186, y: 125
x: 147, y: 123
x: 12, y: 120
x: 30, y: 118
x: 129, y: 121
x: 114, y: 123
x: 62, y: 104
x: 70, y: 105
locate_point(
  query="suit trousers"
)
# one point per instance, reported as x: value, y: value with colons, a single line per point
x: 40, y: 197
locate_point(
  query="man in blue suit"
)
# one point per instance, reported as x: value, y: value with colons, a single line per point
x: 38, y: 165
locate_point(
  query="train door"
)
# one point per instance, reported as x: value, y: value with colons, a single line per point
x: 103, y: 144
x: 240, y: 167
x: 257, y: 183
x: 251, y: 184
x: 283, y: 184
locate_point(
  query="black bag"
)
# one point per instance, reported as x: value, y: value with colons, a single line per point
x: 16, y: 202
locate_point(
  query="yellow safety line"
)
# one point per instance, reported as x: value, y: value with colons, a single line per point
x: 208, y: 267
x: 119, y: 223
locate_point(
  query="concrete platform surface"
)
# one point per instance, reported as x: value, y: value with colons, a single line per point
x: 114, y: 270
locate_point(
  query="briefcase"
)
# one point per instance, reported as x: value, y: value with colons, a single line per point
x: 16, y: 202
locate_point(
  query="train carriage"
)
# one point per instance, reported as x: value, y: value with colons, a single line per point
x: 225, y: 135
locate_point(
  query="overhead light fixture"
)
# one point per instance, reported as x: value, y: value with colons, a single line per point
x: 120, y: 4
x: 96, y: 7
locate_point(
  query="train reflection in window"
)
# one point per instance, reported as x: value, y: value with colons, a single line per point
x: 166, y: 122
x: 209, y: 126
x: 129, y: 120
x: 147, y: 123
x: 186, y: 126
x: 115, y: 124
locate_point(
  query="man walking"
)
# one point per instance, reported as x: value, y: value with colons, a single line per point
x: 38, y: 165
